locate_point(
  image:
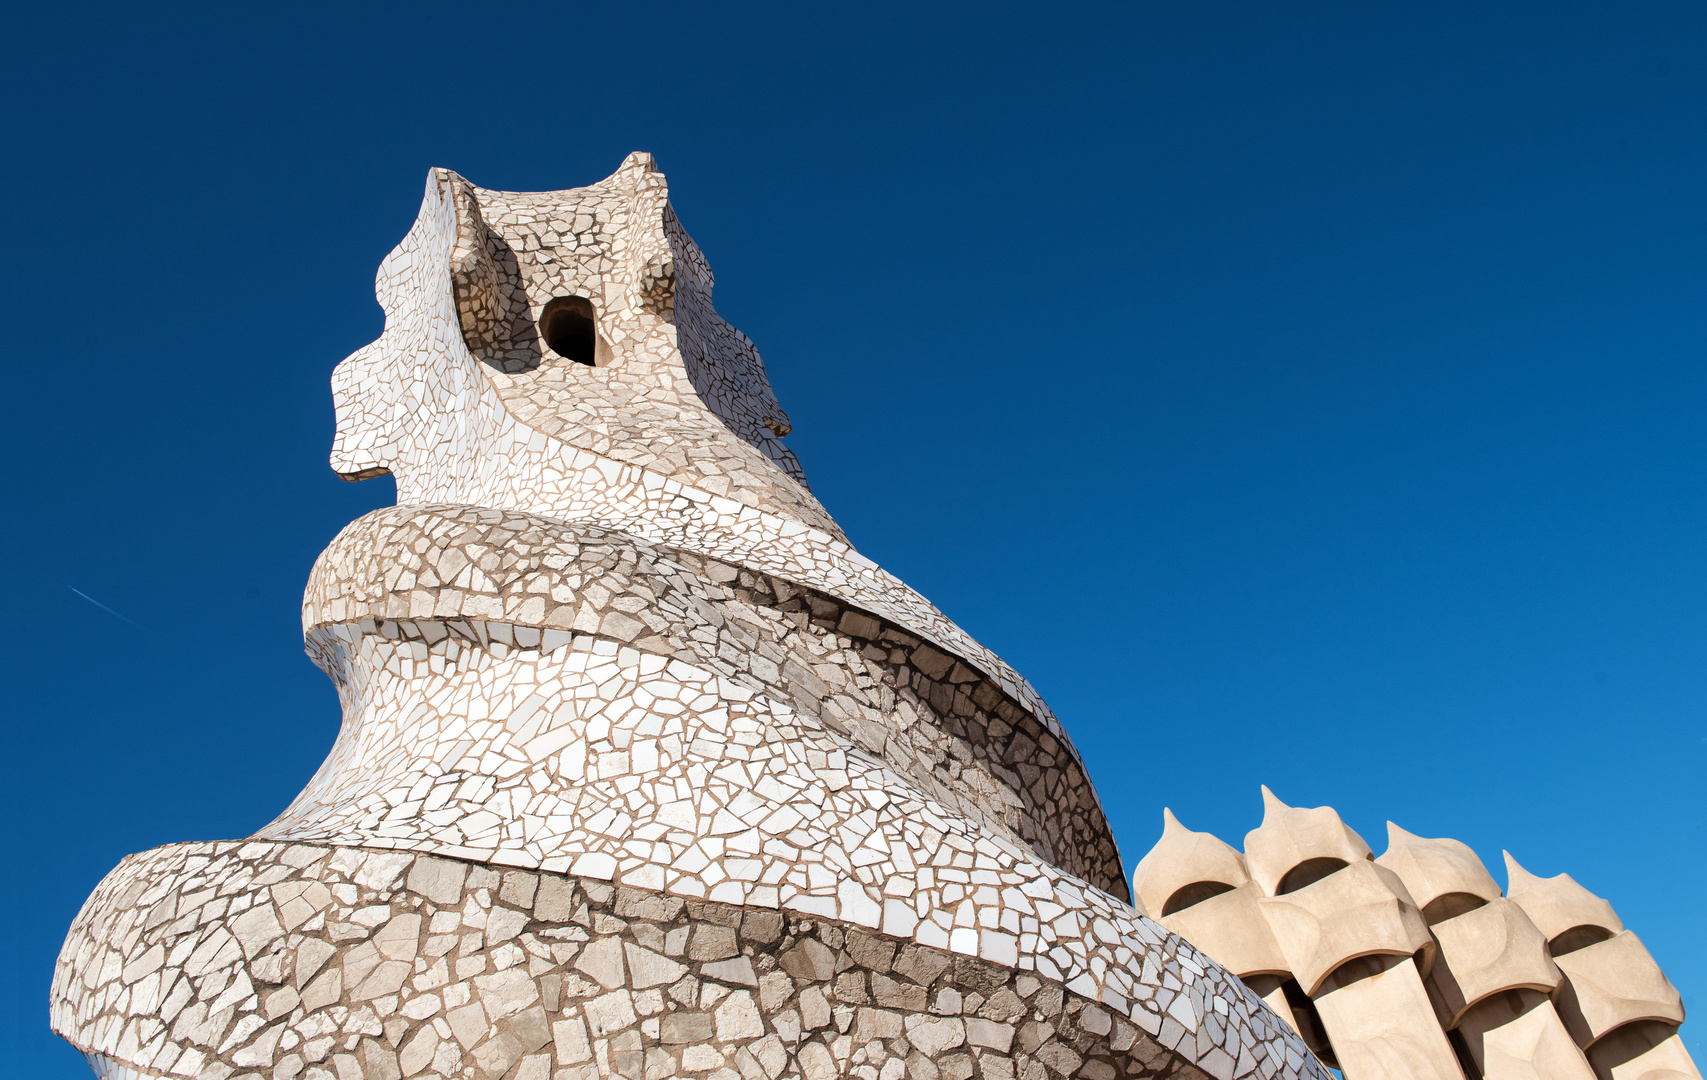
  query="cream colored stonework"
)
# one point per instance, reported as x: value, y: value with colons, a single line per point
x: 1414, y: 964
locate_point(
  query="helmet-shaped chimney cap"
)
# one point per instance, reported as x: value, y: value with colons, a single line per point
x: 1295, y: 846
x: 1182, y: 859
x: 1557, y: 904
x: 1440, y: 872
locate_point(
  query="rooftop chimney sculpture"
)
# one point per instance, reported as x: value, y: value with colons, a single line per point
x: 644, y: 770
x: 1414, y: 966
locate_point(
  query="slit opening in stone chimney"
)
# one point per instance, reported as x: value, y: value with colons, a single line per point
x: 1308, y: 873
x: 569, y: 328
x: 1450, y: 906
x: 1578, y: 937
x: 1626, y: 1042
x: 1461, y: 1050
x: 1310, y: 1026
x: 1192, y: 895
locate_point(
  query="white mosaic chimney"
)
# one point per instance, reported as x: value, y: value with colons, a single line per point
x: 644, y: 770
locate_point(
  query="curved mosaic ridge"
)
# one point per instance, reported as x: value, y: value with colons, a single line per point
x: 217, y: 959
x: 433, y: 573
x: 609, y: 656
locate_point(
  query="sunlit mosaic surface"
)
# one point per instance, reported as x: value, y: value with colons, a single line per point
x: 644, y: 770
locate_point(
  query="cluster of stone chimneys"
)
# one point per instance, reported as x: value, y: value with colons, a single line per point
x: 1414, y: 964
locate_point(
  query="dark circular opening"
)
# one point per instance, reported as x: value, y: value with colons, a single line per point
x: 567, y: 327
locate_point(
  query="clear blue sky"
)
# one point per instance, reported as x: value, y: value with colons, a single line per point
x: 1312, y: 396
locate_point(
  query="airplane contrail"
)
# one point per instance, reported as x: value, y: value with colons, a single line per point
x: 103, y: 607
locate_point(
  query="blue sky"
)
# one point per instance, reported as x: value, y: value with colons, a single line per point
x: 1310, y: 396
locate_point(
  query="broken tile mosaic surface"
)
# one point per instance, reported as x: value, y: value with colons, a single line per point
x: 297, y: 960
x: 644, y: 770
